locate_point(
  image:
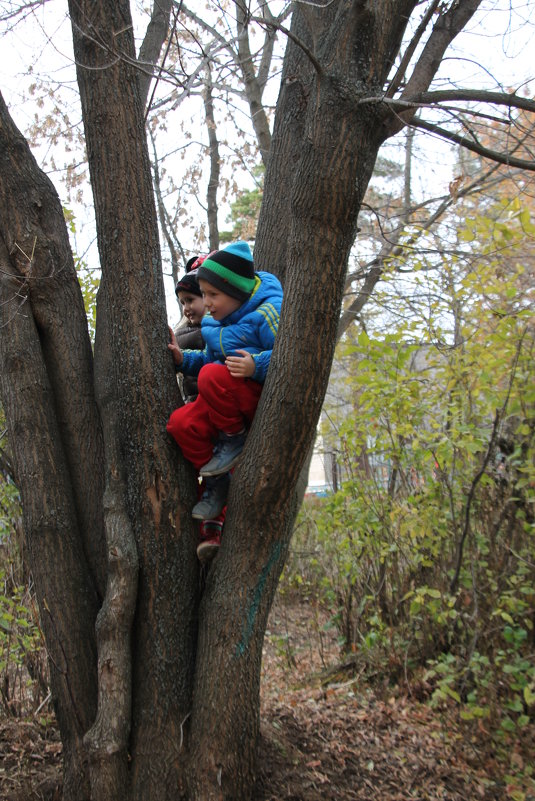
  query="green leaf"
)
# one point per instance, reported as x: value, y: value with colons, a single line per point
x: 529, y: 694
x: 452, y: 693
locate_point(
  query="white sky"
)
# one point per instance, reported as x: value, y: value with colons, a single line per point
x: 496, y: 48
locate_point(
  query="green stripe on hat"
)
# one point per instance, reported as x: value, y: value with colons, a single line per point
x: 239, y: 281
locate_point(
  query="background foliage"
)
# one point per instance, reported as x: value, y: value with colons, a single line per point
x: 425, y: 553
x: 23, y: 670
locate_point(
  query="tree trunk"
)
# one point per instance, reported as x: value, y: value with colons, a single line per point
x: 137, y: 390
x: 337, y: 147
x: 253, y: 87
x: 178, y: 674
x: 150, y: 49
x: 213, y: 145
x: 54, y: 434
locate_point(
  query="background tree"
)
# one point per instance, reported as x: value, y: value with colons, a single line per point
x: 176, y: 666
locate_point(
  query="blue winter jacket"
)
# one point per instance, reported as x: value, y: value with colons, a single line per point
x: 252, y: 327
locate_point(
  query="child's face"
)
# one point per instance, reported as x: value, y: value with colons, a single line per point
x: 218, y: 303
x: 192, y: 305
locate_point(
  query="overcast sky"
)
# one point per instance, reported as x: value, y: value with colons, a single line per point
x: 496, y: 49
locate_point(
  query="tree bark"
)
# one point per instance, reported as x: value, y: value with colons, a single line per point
x: 54, y: 433
x: 151, y: 47
x: 337, y: 147
x: 253, y: 87
x: 213, y: 144
x: 178, y: 674
x: 137, y: 390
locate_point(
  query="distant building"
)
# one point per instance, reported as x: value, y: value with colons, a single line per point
x: 319, y: 482
x: 324, y: 472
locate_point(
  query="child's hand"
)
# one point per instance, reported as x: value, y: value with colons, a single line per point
x: 241, y: 366
x: 174, y: 348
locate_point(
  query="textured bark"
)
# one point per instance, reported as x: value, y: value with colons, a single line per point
x: 213, y: 181
x: 36, y: 238
x: 334, y: 143
x: 288, y: 132
x: 151, y: 46
x: 107, y: 740
x: 178, y: 700
x: 137, y: 389
x: 253, y: 87
x: 47, y: 392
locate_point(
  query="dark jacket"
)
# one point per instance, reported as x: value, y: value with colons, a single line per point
x: 189, y: 337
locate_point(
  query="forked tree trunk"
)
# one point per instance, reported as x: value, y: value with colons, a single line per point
x: 178, y: 705
x: 337, y: 148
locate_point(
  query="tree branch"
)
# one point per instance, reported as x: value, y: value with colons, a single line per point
x: 295, y: 39
x: 511, y: 99
x: 163, y: 216
x: 213, y: 181
x: 475, y: 147
x: 448, y: 25
x: 409, y: 52
x: 392, y: 249
x: 252, y: 86
x: 155, y: 36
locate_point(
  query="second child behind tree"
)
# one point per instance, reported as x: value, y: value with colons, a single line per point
x: 188, y: 333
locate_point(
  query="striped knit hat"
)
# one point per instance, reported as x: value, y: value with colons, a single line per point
x: 230, y: 270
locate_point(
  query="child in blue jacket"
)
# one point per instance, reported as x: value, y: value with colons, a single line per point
x: 239, y: 329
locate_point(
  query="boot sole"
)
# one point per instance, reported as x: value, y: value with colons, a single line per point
x: 206, y: 551
x: 220, y: 471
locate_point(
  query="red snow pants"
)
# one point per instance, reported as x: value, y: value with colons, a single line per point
x: 224, y: 404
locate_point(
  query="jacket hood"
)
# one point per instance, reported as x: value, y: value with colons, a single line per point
x: 266, y: 286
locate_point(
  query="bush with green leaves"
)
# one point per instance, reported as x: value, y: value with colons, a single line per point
x: 23, y: 670
x: 425, y: 554
x: 23, y: 666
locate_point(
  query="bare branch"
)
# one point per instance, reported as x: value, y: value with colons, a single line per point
x: 163, y: 216
x: 20, y: 12
x: 252, y: 87
x: 213, y: 181
x: 269, y: 41
x: 511, y: 100
x: 295, y: 39
x: 475, y: 147
x: 449, y: 24
x: 373, y: 271
x: 409, y: 52
x: 150, y: 49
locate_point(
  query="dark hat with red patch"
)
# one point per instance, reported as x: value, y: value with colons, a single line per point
x: 188, y: 282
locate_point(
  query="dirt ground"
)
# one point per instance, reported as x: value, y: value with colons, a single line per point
x: 321, y: 738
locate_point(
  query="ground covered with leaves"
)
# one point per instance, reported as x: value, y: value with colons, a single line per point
x: 324, y: 735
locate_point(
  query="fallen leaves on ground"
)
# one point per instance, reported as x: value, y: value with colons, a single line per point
x: 323, y: 735
x: 340, y: 741
x: 30, y: 760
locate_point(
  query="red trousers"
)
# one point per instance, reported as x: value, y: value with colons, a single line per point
x: 224, y: 404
